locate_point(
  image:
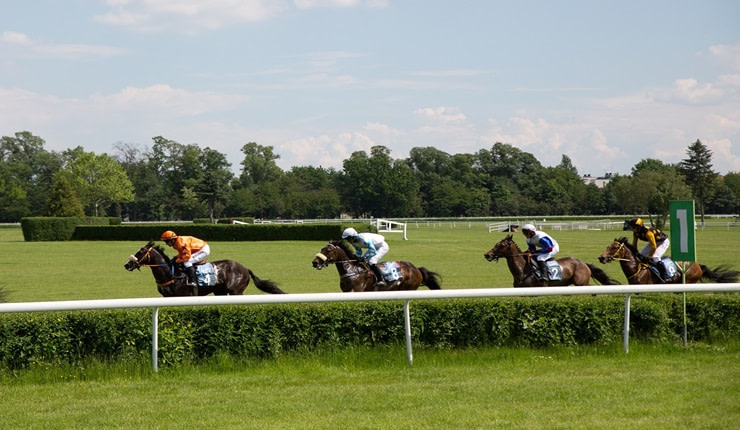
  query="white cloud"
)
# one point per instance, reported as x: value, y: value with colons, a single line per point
x: 727, y: 54
x: 187, y: 15
x: 442, y: 115
x: 312, y: 4
x: 21, y: 45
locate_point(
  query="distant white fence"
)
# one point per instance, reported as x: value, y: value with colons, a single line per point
x: 406, y: 296
x: 388, y: 226
x: 558, y: 225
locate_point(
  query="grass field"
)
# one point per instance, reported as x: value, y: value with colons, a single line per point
x: 40, y: 271
x: 595, y: 387
x: 652, y: 387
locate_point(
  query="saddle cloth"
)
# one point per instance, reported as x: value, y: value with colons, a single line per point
x: 390, y: 270
x: 206, y: 274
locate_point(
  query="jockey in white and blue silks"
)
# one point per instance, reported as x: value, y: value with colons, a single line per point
x: 376, y: 246
x: 541, y: 246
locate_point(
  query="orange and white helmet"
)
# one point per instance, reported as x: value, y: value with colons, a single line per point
x: 168, y: 235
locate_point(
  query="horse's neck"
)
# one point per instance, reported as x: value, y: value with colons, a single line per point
x: 345, y: 267
x: 160, y: 269
x: 629, y: 262
x: 517, y: 265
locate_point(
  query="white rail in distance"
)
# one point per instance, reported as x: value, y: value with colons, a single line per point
x: 406, y: 296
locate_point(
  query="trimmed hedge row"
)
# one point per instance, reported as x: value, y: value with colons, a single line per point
x: 215, y: 232
x: 264, y: 331
x: 103, y: 228
x: 59, y: 228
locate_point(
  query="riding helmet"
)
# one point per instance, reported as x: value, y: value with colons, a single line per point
x: 349, y: 232
x: 528, y: 227
x: 167, y: 235
x: 630, y: 223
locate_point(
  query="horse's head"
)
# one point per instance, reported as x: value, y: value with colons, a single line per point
x: 615, y: 251
x: 504, y: 248
x: 334, y: 251
x: 142, y: 257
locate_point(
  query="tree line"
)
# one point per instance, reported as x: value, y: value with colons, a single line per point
x: 174, y: 181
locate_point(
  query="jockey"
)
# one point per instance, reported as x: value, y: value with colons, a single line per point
x: 190, y: 250
x: 548, y: 247
x: 657, y: 242
x: 376, y: 246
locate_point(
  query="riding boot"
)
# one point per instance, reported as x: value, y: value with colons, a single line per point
x: 544, y: 274
x: 192, y: 276
x: 379, y: 281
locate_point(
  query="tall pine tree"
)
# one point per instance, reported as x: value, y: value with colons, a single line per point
x: 699, y: 174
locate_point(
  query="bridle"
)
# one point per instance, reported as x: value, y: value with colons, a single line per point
x: 510, y: 246
x: 138, y: 262
x: 326, y: 261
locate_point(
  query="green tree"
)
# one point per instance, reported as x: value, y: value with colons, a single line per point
x: 213, y: 184
x: 63, y: 200
x: 259, y: 165
x: 697, y: 169
x: 99, y: 180
x: 27, y: 170
x: 379, y: 186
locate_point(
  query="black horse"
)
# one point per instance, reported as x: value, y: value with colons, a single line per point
x: 230, y: 276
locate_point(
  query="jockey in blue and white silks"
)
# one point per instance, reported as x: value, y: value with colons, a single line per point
x: 541, y: 245
x: 376, y: 246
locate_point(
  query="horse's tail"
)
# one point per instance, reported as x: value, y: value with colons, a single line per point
x: 722, y: 274
x: 601, y: 276
x: 431, y: 279
x: 264, y: 284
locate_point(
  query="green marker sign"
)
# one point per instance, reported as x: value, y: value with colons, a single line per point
x: 683, y: 245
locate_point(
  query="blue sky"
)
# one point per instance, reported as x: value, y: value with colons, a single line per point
x: 606, y: 83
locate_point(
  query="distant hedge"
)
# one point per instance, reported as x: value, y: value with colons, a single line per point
x: 59, y: 228
x: 264, y: 331
x: 74, y: 228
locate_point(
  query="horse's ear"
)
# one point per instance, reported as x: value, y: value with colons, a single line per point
x: 150, y: 244
x: 509, y: 237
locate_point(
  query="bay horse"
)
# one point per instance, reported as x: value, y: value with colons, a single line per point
x: 575, y: 271
x: 231, y: 276
x: 355, y: 274
x: 637, y: 270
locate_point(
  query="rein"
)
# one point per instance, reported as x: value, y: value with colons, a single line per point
x: 640, y: 265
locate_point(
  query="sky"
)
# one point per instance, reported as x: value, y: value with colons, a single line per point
x: 606, y: 83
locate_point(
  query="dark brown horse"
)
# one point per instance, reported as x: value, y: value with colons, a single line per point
x: 231, y: 277
x: 354, y: 274
x: 637, y: 270
x: 575, y: 271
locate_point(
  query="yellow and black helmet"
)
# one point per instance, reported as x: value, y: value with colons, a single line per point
x: 632, y: 223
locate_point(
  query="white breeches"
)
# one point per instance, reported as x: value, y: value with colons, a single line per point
x: 197, y: 257
x: 544, y: 257
x: 659, y: 251
x: 380, y: 252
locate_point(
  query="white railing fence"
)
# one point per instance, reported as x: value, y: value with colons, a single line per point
x: 405, y: 296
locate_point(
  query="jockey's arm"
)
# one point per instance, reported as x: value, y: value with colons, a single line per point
x: 546, y: 246
x: 651, y: 240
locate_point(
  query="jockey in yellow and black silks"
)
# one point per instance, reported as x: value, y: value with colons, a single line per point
x: 190, y: 250
x: 657, y: 241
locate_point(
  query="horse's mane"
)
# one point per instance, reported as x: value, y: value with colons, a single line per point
x: 161, y: 252
x: 624, y: 241
x: 346, y: 246
x: 510, y: 238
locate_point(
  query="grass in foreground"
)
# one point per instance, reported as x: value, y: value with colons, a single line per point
x: 663, y: 386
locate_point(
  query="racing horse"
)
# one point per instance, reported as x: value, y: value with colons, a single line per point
x: 355, y: 274
x: 637, y: 270
x: 575, y: 271
x: 230, y: 276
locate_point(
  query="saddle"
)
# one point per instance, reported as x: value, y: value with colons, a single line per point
x: 554, y: 270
